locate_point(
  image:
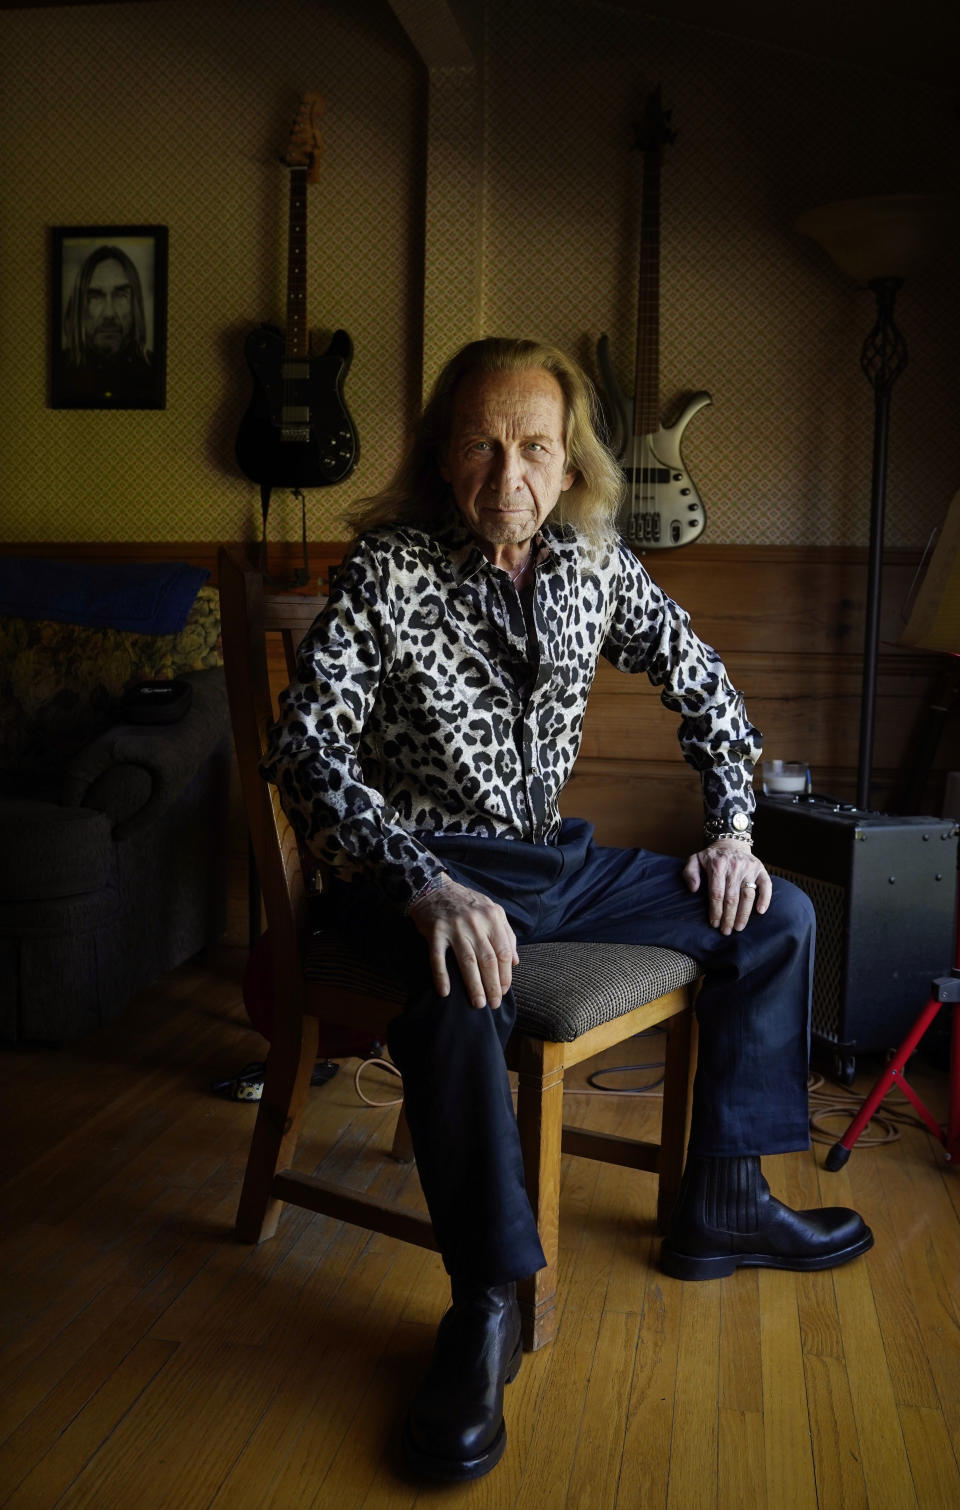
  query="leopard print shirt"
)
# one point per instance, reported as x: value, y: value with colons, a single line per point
x: 423, y: 706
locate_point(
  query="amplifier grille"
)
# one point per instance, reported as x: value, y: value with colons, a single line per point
x: 828, y: 966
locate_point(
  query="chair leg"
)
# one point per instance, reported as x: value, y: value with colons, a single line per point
x: 402, y: 1142
x: 679, y: 1065
x: 287, y: 1080
x: 540, y: 1120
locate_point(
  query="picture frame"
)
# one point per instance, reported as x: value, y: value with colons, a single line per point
x: 108, y: 317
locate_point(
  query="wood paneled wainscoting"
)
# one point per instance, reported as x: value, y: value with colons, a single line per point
x: 789, y: 623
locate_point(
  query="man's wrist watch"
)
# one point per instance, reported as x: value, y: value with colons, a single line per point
x: 739, y: 827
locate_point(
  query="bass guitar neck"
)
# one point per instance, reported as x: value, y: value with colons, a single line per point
x: 662, y: 508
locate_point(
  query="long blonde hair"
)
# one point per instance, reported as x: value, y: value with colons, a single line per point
x: 418, y: 494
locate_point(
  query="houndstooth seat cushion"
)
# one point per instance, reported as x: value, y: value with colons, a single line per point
x: 561, y: 990
x: 564, y: 990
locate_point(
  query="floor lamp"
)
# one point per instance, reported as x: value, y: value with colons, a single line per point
x: 879, y: 242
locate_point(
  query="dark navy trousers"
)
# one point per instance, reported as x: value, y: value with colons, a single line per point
x: 750, y: 1092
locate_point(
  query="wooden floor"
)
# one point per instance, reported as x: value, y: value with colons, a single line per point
x: 149, y: 1360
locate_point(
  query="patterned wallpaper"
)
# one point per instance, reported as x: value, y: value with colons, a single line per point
x: 174, y: 113
x: 750, y: 311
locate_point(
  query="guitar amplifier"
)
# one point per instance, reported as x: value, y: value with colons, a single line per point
x: 885, y: 892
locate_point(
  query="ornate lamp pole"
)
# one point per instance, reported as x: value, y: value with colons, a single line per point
x: 879, y: 241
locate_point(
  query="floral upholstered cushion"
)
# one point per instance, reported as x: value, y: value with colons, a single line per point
x: 60, y: 683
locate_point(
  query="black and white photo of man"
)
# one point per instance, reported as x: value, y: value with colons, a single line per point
x: 107, y: 352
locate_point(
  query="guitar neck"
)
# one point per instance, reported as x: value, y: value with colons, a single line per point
x: 298, y: 336
x: 646, y: 414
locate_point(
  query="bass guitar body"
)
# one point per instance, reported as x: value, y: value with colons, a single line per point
x: 297, y: 432
x: 662, y: 508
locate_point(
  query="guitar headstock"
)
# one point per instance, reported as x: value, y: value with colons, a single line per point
x: 306, y: 143
x: 654, y: 132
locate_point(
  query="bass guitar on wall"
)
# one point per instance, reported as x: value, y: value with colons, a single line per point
x: 663, y: 508
x: 297, y: 432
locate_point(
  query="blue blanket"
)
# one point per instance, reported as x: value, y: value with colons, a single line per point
x: 143, y: 597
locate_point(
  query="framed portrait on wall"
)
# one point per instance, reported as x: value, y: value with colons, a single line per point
x: 109, y: 317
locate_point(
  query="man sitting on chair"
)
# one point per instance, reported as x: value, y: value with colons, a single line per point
x: 421, y: 755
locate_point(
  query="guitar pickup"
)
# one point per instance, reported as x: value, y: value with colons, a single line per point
x: 295, y: 414
x: 295, y: 372
x: 647, y: 474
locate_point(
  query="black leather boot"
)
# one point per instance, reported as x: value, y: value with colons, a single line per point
x: 725, y: 1219
x: 455, y: 1428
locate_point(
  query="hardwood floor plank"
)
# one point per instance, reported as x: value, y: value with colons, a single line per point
x: 882, y: 1452
x: 57, y: 1381
x: 820, y: 1333
x: 693, y: 1465
x: 933, y: 1460
x: 69, y: 1450
x: 192, y: 1422
x: 786, y: 1422
x: 76, y: 1275
x: 368, y: 1468
x: 647, y: 1447
x: 741, y: 1477
x: 133, y: 1227
x: 549, y: 1449
x: 740, y: 1384
x: 598, y: 1465
x: 28, y: 1393
x: 833, y: 1433
x: 928, y: 1238
x: 902, y: 1327
x: 296, y: 1443
x: 194, y: 1310
x: 69, y: 1173
x: 633, y: 1198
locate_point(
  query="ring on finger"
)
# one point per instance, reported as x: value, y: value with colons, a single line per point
x: 747, y: 886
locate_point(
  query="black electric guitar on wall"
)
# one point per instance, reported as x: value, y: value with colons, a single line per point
x: 663, y: 508
x: 297, y: 432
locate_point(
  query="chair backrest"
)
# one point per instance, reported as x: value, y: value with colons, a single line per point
x: 248, y: 617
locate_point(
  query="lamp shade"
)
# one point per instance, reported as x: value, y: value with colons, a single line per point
x: 890, y: 237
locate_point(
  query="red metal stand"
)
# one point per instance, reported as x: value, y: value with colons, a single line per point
x: 945, y: 989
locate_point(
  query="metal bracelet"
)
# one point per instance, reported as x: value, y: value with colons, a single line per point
x: 434, y: 884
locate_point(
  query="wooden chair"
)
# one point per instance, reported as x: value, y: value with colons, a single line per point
x: 573, y: 1000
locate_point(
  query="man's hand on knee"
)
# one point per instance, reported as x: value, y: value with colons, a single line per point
x: 476, y: 929
x: 737, y: 883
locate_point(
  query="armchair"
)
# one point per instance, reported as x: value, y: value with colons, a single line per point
x: 112, y: 867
